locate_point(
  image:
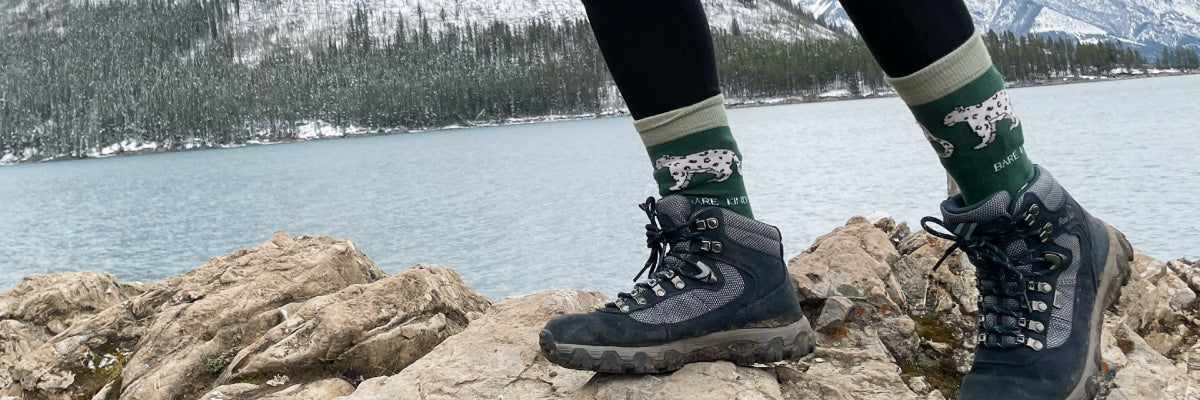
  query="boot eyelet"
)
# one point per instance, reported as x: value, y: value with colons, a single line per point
x: 1031, y: 214
x: 700, y: 225
x: 705, y: 245
x: 717, y: 247
x: 1056, y: 260
x: 1031, y: 342
x: 711, y: 223
x: 678, y: 282
x: 1040, y: 287
x: 1044, y: 232
x: 640, y: 301
x: 1039, y: 306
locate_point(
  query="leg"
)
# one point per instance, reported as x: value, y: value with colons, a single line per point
x: 660, y: 54
x: 1045, y: 269
x: 939, y: 66
x: 717, y: 286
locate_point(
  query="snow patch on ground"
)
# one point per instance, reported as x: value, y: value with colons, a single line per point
x: 317, y: 129
x: 834, y: 93
x: 124, y: 146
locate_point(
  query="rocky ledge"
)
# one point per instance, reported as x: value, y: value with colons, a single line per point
x: 311, y: 317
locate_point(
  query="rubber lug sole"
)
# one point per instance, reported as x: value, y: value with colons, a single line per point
x: 742, y: 346
x: 1116, y: 275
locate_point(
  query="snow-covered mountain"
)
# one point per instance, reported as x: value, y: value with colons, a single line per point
x: 292, y: 20
x: 1146, y: 24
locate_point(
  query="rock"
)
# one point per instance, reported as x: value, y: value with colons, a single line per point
x: 496, y: 356
x: 853, y: 262
x: 951, y: 286
x: 235, y: 391
x: 168, y: 340
x: 1144, y: 304
x: 899, y: 233
x: 63, y: 299
x: 368, y: 329
x: 1147, y: 374
x: 713, y: 380
x: 313, y: 311
x: 324, y: 389
x: 1189, y: 271
x: 863, y: 370
x: 918, y: 385
x: 833, y: 314
x: 16, y: 338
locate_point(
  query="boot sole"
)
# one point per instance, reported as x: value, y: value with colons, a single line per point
x: 1116, y: 275
x: 742, y: 346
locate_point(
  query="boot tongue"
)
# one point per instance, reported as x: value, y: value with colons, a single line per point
x: 673, y: 211
x: 960, y: 217
x: 1002, y: 204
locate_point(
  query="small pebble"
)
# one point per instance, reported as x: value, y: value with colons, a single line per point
x: 553, y: 374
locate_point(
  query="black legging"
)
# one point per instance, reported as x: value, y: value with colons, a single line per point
x: 907, y: 35
x: 660, y: 51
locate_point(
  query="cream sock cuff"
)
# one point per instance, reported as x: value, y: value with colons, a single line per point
x: 962, y: 66
x: 677, y: 123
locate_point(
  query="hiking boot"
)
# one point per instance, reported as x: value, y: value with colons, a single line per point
x: 1045, y: 270
x: 717, y: 289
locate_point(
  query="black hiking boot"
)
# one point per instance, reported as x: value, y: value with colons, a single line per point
x: 1046, y: 270
x: 717, y: 289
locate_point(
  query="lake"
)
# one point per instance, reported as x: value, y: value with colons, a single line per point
x: 521, y: 208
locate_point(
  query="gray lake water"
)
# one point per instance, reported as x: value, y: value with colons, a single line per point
x: 516, y: 209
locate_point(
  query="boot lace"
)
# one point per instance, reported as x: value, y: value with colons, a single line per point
x: 657, y: 270
x: 998, y: 276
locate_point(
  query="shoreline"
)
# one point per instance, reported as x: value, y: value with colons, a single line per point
x: 313, y: 317
x: 355, y: 132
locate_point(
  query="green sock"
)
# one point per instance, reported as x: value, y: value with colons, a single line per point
x: 694, y: 154
x: 961, y: 104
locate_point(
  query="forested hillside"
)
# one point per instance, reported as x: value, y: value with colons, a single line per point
x: 162, y: 75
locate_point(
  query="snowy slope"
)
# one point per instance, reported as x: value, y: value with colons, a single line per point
x: 262, y: 24
x: 1147, y: 23
x: 309, y: 19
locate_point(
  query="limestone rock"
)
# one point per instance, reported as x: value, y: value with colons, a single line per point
x: 853, y: 261
x: 1148, y: 374
x: 235, y: 391
x: 16, y: 338
x: 862, y: 370
x: 368, y: 329
x: 950, y: 287
x: 60, y: 300
x: 496, y: 356
x: 166, y: 340
x: 1144, y: 303
x: 316, y: 310
x: 833, y: 314
x: 700, y: 381
x: 324, y: 389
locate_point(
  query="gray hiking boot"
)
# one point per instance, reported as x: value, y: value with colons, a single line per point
x: 1046, y: 270
x: 717, y: 289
